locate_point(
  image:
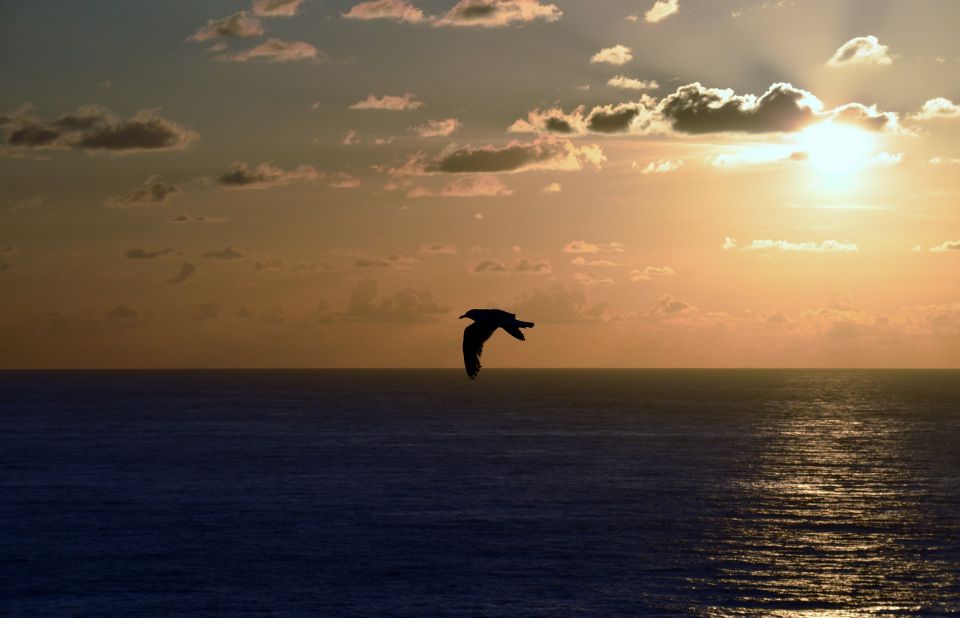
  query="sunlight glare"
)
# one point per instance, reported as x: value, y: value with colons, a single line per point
x: 836, y: 149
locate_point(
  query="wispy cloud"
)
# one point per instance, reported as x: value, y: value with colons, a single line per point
x: 437, y: 128
x: 388, y: 102
x: 859, y: 51
x: 276, y: 50
x: 152, y: 192
x: 629, y: 83
x: 240, y: 25
x: 616, y: 55
x: 661, y: 10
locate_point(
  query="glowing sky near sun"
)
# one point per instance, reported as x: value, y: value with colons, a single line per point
x: 303, y: 183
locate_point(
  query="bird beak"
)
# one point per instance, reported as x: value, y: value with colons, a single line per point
x: 462, y: 316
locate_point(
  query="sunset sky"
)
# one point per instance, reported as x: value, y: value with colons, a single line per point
x: 306, y: 183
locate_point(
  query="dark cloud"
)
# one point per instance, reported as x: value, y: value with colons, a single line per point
x: 540, y: 154
x: 396, y: 262
x: 497, y: 13
x: 121, y: 312
x: 558, y: 125
x: 265, y: 176
x: 488, y: 266
x: 187, y: 270
x: 240, y: 25
x: 227, y: 253
x: 4, y: 267
x: 532, y: 268
x: 151, y: 192
x: 696, y: 109
x: 207, y: 311
x: 95, y: 128
x: 146, y: 254
x: 407, y: 305
x: 184, y: 218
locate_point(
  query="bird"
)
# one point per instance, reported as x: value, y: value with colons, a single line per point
x: 485, y: 322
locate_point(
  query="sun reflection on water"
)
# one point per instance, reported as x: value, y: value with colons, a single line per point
x: 832, y: 517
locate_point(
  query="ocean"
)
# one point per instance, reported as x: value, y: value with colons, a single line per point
x: 525, y: 493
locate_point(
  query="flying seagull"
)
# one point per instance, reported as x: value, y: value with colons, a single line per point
x: 485, y: 321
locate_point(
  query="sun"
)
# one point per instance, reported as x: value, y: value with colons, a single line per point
x: 836, y: 149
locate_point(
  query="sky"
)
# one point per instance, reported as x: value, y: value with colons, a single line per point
x: 307, y: 183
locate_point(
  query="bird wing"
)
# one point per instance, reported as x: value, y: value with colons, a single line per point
x: 514, y: 331
x: 473, y: 338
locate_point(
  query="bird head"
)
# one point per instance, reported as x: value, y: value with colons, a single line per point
x: 470, y: 314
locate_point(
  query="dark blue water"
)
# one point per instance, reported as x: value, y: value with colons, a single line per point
x: 527, y: 493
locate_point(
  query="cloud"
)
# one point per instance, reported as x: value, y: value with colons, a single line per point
x: 94, y: 128
x: 949, y: 245
x: 437, y: 128
x: 151, y: 193
x: 539, y: 154
x: 668, y: 305
x: 121, y: 312
x: 207, y: 311
x: 5, y: 266
x: 582, y: 246
x: 393, y: 262
x: 265, y: 176
x: 861, y: 50
x: 388, y: 102
x: 487, y: 266
x: 225, y: 254
x: 276, y: 50
x: 185, y: 218
x: 553, y: 187
x: 147, y: 254
x: 497, y: 13
x: 239, y: 25
x: 395, y: 10
x: 438, y: 248
x: 944, y: 161
x: 588, y: 280
x: 276, y: 8
x: 695, y: 109
x: 729, y: 244
x: 649, y: 272
x: 529, y: 267
x: 782, y: 108
x: 556, y: 305
x: 618, y: 55
x: 30, y: 203
x: 350, y: 138
x: 476, y: 186
x: 937, y: 108
x: 663, y: 166
x: 827, y: 246
x: 629, y: 117
x: 661, y: 10
x: 407, y: 305
x: 628, y: 83
x: 582, y: 261
x: 341, y: 180
x: 887, y: 158
x: 187, y: 270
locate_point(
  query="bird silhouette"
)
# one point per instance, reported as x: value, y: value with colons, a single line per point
x: 485, y: 322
